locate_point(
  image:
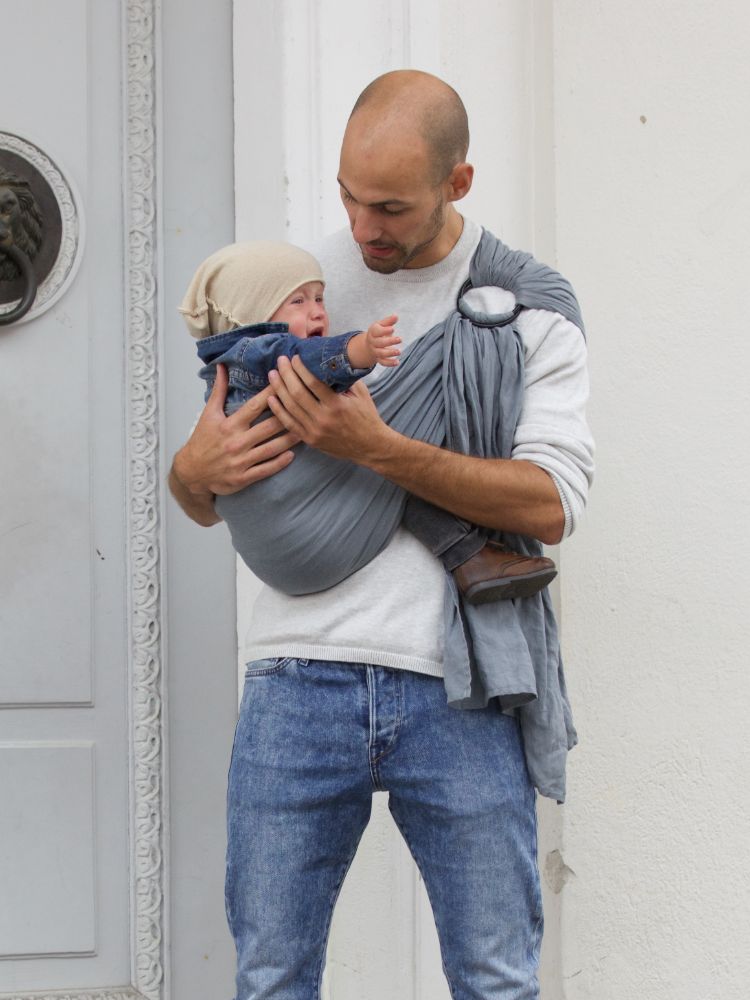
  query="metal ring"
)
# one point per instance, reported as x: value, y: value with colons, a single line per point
x: 29, y: 293
x: 491, y: 321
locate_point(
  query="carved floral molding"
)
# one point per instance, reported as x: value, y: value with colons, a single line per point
x: 143, y: 503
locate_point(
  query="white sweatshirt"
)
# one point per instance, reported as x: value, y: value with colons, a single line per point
x: 390, y: 612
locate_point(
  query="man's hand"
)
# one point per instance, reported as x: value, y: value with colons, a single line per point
x: 342, y: 424
x: 225, y: 454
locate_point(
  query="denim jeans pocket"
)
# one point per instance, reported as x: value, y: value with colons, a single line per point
x: 272, y: 665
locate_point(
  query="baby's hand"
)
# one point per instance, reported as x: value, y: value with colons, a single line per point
x: 382, y: 342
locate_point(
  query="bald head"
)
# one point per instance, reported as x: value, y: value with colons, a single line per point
x: 410, y: 101
x: 402, y: 167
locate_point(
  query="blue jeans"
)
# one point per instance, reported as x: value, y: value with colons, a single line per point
x: 313, y: 741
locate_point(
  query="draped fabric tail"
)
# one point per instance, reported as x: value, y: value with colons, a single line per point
x: 508, y: 649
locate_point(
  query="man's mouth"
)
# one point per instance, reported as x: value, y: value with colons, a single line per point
x: 373, y: 250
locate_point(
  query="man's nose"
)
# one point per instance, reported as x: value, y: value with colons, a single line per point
x: 365, y: 226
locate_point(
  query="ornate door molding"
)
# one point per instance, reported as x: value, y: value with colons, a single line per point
x: 143, y: 505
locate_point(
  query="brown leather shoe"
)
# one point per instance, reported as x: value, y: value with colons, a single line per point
x: 497, y: 574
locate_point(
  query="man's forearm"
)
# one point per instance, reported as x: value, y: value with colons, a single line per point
x: 199, y: 507
x: 504, y: 494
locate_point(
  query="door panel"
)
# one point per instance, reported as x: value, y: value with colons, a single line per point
x: 47, y: 541
x: 65, y: 819
x: 48, y: 880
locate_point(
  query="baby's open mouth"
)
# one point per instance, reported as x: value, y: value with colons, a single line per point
x: 317, y: 332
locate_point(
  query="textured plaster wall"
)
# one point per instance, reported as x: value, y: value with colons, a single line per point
x: 653, y: 207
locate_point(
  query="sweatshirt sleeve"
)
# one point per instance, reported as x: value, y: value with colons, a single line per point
x: 552, y: 430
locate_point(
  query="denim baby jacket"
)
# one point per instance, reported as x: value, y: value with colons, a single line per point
x: 250, y: 352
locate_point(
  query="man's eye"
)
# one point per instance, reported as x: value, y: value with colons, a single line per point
x: 345, y: 195
x: 393, y: 211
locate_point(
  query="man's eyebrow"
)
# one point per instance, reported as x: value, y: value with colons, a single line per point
x: 373, y: 204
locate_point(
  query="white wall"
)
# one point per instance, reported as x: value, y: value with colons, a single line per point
x: 653, y: 173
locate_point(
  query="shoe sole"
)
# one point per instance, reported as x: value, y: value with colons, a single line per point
x: 507, y: 590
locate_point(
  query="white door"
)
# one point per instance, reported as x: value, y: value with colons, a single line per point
x: 116, y: 687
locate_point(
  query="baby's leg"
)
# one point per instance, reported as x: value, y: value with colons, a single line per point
x: 484, y: 571
x: 450, y: 538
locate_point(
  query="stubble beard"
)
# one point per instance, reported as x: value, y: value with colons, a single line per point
x: 407, y: 254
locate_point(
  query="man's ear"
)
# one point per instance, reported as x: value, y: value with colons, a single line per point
x: 459, y: 181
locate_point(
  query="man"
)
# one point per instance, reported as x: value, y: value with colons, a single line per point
x: 343, y: 691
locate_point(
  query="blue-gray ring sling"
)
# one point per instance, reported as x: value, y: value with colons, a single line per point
x: 459, y: 386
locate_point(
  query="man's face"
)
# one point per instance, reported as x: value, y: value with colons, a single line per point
x: 396, y: 211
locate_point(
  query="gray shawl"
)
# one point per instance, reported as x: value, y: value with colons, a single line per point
x: 459, y: 386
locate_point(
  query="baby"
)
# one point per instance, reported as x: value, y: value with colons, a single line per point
x: 250, y: 303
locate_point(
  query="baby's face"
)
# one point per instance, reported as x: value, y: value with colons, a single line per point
x: 304, y: 311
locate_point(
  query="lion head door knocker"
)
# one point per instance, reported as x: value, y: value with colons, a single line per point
x: 40, y: 230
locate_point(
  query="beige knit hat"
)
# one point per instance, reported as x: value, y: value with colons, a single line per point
x: 245, y: 283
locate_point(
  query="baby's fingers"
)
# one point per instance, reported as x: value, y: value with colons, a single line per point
x: 385, y: 339
x: 387, y: 356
